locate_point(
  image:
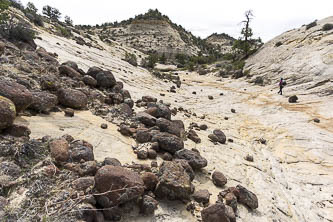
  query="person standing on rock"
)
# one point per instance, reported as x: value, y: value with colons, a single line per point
x: 281, y: 84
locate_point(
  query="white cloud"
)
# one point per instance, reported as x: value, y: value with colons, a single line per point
x: 203, y: 17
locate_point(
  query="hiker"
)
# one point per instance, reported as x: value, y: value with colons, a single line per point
x: 282, y: 83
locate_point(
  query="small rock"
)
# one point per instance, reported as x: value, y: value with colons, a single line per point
x: 195, y: 160
x: 249, y: 158
x: 233, y: 110
x: 148, y: 205
x: 152, y: 154
x: 18, y: 130
x: 69, y: 112
x: 83, y: 183
x: 293, y: 99
x: 203, y: 127
x: 316, y: 120
x: 111, y: 161
x: 220, y: 136
x: 215, y: 213
x: 192, y: 135
x: 210, y: 97
x: 80, y: 152
x: 150, y: 180
x: 219, y: 179
x: 167, y: 156
x: 201, y: 196
x: 246, y: 197
x: 142, y: 154
x: 104, y: 126
x: 59, y: 150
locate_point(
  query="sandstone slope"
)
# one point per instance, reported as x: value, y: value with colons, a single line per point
x: 304, y: 57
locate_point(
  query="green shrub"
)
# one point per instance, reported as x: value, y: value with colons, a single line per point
x: 327, y: 27
x: 238, y: 64
x: 310, y: 25
x: 131, y: 59
x: 20, y: 33
x: 278, y: 44
x: 67, y: 33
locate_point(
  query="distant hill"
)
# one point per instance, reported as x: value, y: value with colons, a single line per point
x: 223, y: 42
x: 154, y: 32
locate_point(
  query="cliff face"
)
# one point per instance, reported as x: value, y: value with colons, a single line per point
x: 303, y: 56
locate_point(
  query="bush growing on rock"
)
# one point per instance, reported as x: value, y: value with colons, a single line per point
x: 327, y: 27
x: 131, y: 59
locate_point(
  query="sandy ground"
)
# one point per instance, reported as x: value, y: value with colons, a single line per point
x: 292, y: 174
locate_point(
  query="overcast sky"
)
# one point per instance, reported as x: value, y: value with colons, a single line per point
x: 202, y: 17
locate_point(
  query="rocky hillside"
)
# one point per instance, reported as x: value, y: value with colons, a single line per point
x: 223, y: 42
x: 152, y: 32
x: 303, y: 56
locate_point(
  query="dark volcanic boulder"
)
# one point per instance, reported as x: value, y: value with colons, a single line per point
x: 159, y: 110
x: 71, y: 64
x: 125, y: 185
x: 150, y: 180
x: 201, y: 196
x: 221, y: 138
x: 195, y: 160
x: 293, y: 99
x: 90, y: 81
x: 175, y: 127
x: 93, y: 71
x: 43, y: 101
x: 168, y: 142
x: 143, y: 136
x: 187, y: 167
x: 59, y: 150
x: 149, y: 99
x: 72, y: 98
x: 69, y: 71
x: 215, y: 213
x: 148, y: 205
x: 79, y: 153
x: 246, y: 197
x: 146, y: 119
x: 105, y: 79
x: 17, y: 93
x: 7, y: 113
x: 219, y: 179
x: 18, y: 130
x: 192, y: 135
x: 174, y: 183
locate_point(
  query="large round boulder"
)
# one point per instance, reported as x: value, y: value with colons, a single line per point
x: 168, y: 142
x: 105, y: 79
x: 17, y: 93
x: 195, y: 160
x: 93, y: 71
x: 72, y: 98
x: 69, y: 71
x: 59, y: 150
x: 43, y: 101
x: 215, y: 213
x: 7, y: 113
x: 221, y: 138
x: 174, y: 183
x: 119, y: 184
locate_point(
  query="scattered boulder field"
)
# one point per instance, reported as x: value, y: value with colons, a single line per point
x: 178, y: 167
